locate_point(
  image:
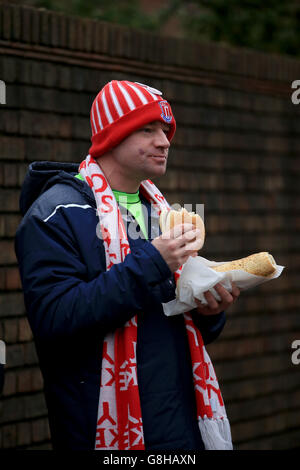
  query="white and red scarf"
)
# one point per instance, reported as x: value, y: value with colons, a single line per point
x: 119, y: 423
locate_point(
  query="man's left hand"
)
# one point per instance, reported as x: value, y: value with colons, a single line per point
x: 213, y: 306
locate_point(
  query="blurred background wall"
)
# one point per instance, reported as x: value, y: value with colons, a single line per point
x: 236, y: 151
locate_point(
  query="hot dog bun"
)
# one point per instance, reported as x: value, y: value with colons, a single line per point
x: 169, y: 218
x: 260, y: 264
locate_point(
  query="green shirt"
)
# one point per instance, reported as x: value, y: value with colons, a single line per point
x: 131, y: 202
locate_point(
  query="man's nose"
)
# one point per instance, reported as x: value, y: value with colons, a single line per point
x: 161, y: 139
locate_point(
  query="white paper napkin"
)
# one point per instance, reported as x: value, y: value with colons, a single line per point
x: 197, y: 277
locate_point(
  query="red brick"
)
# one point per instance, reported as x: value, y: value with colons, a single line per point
x: 11, y: 331
x: 45, y: 32
x: 62, y: 30
x: 7, y: 253
x: 9, y: 224
x: 9, y: 200
x: 26, y: 24
x: 25, y: 333
x: 40, y: 430
x: 10, y: 383
x: 2, y: 226
x: 54, y: 30
x: 6, y: 28
x: 35, y: 26
x: 10, y: 175
x: 24, y: 381
x: 16, y: 21
x: 9, y: 436
x: 35, y: 406
x: 12, y: 280
x: 11, y: 304
x: 64, y: 79
x: 9, y: 122
x: 24, y: 433
x: 14, y: 410
x: 37, y: 382
x: 11, y: 147
x: 14, y: 356
x: 101, y: 37
x: 29, y: 353
x: 72, y: 24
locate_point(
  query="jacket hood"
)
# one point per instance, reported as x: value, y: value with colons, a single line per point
x: 41, y: 176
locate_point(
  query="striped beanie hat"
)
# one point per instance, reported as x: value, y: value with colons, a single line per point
x: 122, y: 107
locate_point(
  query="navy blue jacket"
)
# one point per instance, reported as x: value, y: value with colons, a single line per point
x: 72, y: 302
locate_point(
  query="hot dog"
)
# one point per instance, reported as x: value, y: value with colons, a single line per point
x: 260, y: 264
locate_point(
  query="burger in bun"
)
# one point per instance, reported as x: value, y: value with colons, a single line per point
x: 169, y: 218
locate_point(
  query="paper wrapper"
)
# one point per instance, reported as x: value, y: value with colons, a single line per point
x: 197, y: 278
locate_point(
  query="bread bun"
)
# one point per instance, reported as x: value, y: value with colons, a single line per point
x: 260, y: 264
x: 169, y: 218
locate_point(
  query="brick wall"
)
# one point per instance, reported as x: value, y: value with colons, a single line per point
x: 236, y: 150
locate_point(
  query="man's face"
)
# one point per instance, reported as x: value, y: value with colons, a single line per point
x: 144, y: 153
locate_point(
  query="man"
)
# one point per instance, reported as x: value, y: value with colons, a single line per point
x: 118, y: 373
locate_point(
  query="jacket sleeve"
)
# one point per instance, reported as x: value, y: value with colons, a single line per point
x: 59, y: 299
x: 210, y: 326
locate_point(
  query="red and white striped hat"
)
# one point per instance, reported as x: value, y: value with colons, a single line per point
x: 122, y: 107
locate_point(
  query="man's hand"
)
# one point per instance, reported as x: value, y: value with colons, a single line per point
x: 176, y: 245
x: 214, y: 307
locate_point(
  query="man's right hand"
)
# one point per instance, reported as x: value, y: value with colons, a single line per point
x: 178, y: 244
